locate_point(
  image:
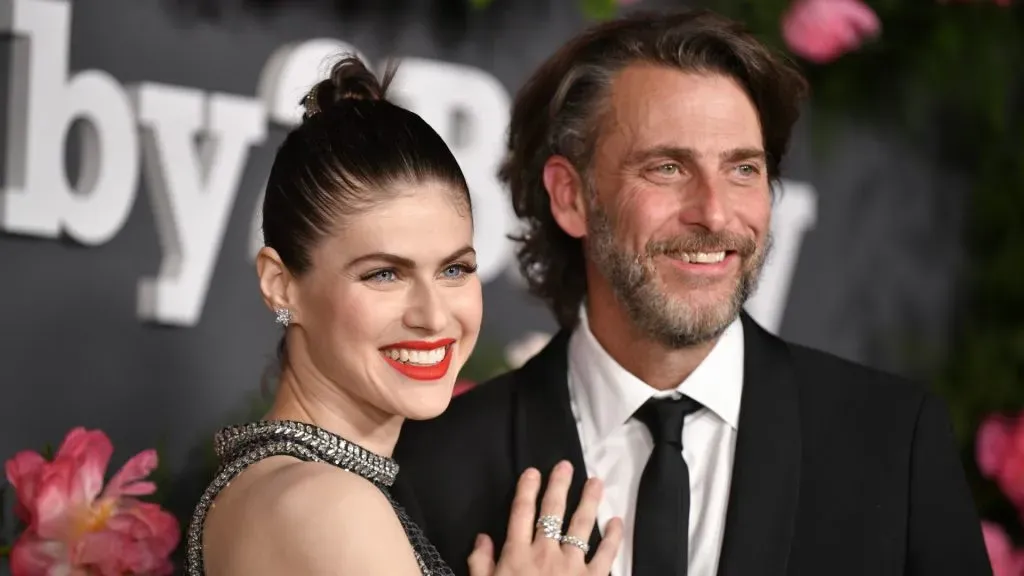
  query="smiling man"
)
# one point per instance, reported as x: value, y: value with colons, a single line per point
x: 675, y: 218
x: 641, y: 158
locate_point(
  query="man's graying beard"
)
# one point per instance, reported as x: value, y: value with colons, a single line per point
x: 665, y: 317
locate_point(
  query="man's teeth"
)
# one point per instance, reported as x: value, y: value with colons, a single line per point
x: 417, y: 357
x: 702, y: 257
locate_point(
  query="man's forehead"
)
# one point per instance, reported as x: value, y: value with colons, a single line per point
x: 640, y: 126
x: 648, y: 92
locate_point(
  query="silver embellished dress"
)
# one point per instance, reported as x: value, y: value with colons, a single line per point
x: 239, y: 447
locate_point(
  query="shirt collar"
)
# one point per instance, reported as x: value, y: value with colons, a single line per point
x: 607, y: 394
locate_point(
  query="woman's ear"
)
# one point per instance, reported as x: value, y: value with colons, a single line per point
x: 276, y: 282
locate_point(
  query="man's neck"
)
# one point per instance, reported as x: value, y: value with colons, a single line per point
x: 660, y: 367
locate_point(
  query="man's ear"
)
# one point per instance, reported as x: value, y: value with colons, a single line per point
x: 567, y: 195
x: 276, y: 283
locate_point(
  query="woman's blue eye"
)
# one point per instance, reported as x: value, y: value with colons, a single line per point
x: 383, y: 276
x: 454, y: 271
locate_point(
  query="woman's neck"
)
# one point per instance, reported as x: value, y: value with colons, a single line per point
x: 319, y: 402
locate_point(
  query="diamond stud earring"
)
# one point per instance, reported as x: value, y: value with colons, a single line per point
x: 284, y: 316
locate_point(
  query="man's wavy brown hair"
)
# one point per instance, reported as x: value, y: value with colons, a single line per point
x: 558, y: 112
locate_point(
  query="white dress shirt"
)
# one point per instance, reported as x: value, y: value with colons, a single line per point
x: 616, y: 446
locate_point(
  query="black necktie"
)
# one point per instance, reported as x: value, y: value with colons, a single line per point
x: 660, y: 537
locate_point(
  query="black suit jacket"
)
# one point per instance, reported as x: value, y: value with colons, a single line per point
x: 839, y: 469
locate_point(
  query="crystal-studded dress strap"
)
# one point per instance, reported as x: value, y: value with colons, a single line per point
x: 242, y: 446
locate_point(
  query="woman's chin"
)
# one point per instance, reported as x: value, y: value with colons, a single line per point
x: 427, y: 404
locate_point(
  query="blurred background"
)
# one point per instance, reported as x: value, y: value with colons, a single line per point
x: 138, y: 135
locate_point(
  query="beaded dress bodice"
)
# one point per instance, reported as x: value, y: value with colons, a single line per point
x: 239, y: 447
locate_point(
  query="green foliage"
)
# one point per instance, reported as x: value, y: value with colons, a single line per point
x: 599, y: 9
x: 486, y: 362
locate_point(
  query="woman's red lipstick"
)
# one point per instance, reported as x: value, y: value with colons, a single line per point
x: 420, y: 371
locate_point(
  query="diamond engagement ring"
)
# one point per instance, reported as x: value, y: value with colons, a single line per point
x: 551, y: 526
x: 574, y: 541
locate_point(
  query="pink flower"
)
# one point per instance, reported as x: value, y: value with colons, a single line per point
x: 1010, y: 475
x: 78, y: 528
x: 1006, y: 561
x: 999, y: 450
x: 992, y: 444
x: 823, y: 30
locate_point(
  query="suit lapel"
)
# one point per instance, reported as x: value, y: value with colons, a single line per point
x: 544, y: 428
x: 766, y: 472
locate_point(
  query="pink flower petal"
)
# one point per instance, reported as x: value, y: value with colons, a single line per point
x: 823, y: 30
x: 859, y: 16
x: 53, y: 507
x: 462, y: 386
x: 127, y: 481
x: 23, y: 471
x: 1015, y: 433
x: 1010, y: 479
x: 1003, y: 557
x: 157, y: 527
x: 32, y: 556
x: 150, y: 535
x: 90, y: 451
x: 992, y: 444
x: 104, y: 551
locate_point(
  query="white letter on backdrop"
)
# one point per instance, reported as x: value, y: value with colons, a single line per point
x: 192, y: 193
x: 795, y: 214
x: 42, y: 104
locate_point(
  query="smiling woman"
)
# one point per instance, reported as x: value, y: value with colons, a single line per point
x: 382, y: 283
x: 380, y: 313
x: 369, y: 264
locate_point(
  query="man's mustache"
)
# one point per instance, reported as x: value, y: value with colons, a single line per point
x: 702, y: 242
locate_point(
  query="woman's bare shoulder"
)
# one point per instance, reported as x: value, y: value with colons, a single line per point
x: 304, y: 518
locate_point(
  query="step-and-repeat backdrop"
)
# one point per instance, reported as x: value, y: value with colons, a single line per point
x: 137, y: 137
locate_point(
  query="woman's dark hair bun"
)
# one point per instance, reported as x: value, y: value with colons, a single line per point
x: 350, y: 79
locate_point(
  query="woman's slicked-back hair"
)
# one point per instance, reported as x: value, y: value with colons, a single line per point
x: 352, y: 151
x: 558, y: 112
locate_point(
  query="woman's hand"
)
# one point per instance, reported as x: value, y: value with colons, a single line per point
x: 539, y: 549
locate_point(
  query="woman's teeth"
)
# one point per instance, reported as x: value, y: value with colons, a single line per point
x: 417, y: 357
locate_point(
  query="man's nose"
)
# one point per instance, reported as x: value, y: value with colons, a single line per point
x: 705, y: 207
